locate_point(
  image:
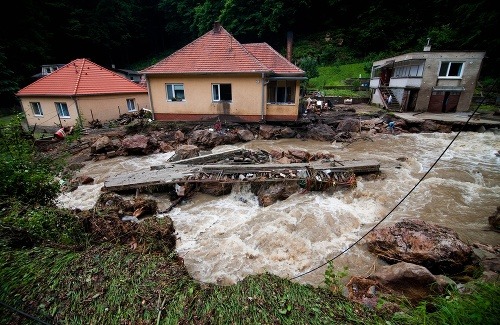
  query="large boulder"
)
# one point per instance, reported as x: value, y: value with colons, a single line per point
x: 102, y: 145
x: 185, y: 151
x: 287, y: 132
x: 137, y: 144
x: 413, y: 281
x: 435, y: 247
x: 349, y: 125
x: 209, y: 139
x: 267, y: 132
x: 321, y: 132
x: 245, y: 135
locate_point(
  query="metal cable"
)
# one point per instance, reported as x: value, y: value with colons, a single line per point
x: 404, y: 198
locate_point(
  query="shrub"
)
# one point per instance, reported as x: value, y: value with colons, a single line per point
x: 26, y: 227
x: 27, y: 175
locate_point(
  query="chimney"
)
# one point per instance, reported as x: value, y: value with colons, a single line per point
x: 427, y: 48
x: 289, y: 45
x: 216, y: 27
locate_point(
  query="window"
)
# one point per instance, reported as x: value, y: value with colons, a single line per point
x: 36, y: 108
x: 281, y: 91
x: 451, y: 69
x: 131, y: 105
x: 175, y: 92
x: 221, y: 92
x: 62, y: 110
x: 408, y: 68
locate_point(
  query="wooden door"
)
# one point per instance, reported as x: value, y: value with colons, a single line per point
x: 451, y: 102
x: 436, y: 102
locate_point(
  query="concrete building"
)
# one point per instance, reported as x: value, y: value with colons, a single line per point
x: 436, y: 82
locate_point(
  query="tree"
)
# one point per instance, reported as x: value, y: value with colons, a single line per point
x: 260, y: 17
x: 8, y: 86
x: 310, y: 66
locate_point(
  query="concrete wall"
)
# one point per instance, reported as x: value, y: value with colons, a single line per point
x: 103, y: 108
x: 248, y: 99
x: 108, y: 107
x: 472, y: 66
x: 49, y: 119
x: 405, y: 82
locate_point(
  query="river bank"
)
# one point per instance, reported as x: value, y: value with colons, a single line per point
x: 235, y: 260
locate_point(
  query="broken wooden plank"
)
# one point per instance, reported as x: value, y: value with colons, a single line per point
x: 211, y: 157
x: 180, y: 173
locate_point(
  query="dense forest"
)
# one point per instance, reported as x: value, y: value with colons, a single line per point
x: 136, y: 33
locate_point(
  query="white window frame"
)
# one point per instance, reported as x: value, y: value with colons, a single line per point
x: 36, y: 108
x: 171, y: 92
x: 216, y: 95
x: 408, y: 69
x: 62, y: 109
x: 131, y: 105
x: 448, y: 66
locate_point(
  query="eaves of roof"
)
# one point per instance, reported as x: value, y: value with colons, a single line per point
x: 218, y: 52
x: 81, y: 77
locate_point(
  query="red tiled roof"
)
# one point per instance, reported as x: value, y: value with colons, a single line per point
x: 219, y: 52
x: 272, y: 59
x: 81, y: 77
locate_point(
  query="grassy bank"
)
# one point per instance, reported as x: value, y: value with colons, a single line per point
x: 115, y: 284
x: 332, y: 78
x: 89, y: 267
x: 109, y: 284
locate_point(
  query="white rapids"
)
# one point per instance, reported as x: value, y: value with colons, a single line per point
x: 224, y: 239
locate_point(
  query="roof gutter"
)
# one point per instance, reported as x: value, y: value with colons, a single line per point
x: 264, y: 82
x: 287, y: 78
x: 150, y: 100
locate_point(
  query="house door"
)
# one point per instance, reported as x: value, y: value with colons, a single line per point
x: 436, y: 102
x: 443, y: 101
x: 404, y: 101
x: 450, y: 103
x: 412, y: 100
x: 385, y: 76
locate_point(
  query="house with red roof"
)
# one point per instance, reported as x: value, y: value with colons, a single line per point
x: 80, y: 91
x: 215, y: 76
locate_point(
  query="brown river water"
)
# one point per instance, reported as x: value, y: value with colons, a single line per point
x: 224, y: 239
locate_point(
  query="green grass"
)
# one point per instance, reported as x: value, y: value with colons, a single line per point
x: 113, y: 284
x: 347, y: 93
x: 484, y: 108
x: 479, y: 304
x: 336, y: 75
x: 116, y: 285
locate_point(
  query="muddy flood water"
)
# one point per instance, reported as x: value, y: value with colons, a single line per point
x: 224, y: 239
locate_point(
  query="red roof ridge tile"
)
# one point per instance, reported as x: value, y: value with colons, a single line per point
x: 78, y: 79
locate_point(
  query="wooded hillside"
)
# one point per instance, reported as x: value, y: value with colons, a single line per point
x: 135, y: 34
